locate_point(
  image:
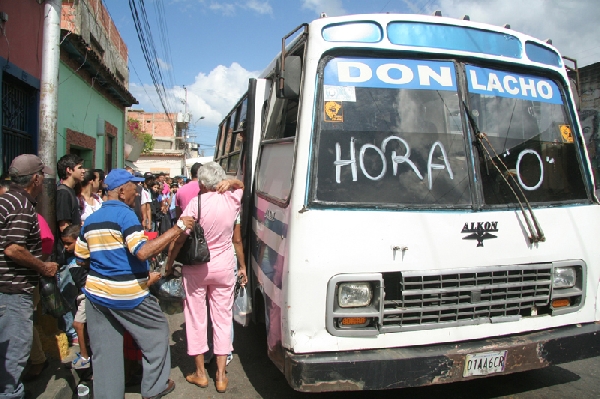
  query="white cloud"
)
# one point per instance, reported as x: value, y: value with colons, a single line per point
x: 572, y: 25
x: 261, y: 7
x: 225, y: 9
x: 211, y: 95
x: 165, y: 66
x: 332, y: 8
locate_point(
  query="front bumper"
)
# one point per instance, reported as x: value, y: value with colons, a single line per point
x: 436, y: 364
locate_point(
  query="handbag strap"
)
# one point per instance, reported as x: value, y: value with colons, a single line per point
x: 199, y: 206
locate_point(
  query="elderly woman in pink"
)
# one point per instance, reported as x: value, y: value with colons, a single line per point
x: 213, y: 281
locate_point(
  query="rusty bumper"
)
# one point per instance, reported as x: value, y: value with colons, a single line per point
x: 436, y: 364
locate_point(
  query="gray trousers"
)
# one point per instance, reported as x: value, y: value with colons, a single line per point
x: 150, y: 330
x: 16, y: 336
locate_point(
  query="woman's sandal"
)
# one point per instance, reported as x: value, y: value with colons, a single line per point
x: 195, y: 379
x: 222, y: 385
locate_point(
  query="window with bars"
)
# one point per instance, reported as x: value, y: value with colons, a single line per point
x: 18, y: 129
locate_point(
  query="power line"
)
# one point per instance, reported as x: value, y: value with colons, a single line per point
x: 144, y: 34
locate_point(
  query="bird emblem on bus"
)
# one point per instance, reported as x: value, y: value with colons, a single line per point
x: 480, y: 231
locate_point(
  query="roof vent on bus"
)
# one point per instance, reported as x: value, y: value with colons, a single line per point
x: 466, y: 18
x: 506, y: 26
x: 437, y: 13
x: 323, y: 15
x: 549, y: 41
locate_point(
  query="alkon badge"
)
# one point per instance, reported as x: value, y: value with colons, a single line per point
x: 480, y: 231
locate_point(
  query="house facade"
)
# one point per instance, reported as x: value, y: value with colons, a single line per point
x: 93, y: 86
x: 21, y: 23
x: 171, y: 148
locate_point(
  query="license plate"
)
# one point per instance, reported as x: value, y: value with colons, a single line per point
x: 484, y: 363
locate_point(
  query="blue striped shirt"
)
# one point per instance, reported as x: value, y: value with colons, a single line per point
x: 110, y: 239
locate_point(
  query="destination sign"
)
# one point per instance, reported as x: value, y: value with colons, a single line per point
x: 390, y: 73
x: 513, y: 85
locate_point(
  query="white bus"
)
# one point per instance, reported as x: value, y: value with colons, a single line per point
x: 420, y: 206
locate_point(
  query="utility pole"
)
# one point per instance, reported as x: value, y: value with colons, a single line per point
x: 49, y: 107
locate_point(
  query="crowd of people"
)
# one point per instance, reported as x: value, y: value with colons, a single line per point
x: 99, y: 261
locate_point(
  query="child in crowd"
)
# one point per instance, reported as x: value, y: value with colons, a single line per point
x: 79, y: 275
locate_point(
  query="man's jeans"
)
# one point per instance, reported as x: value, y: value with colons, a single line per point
x: 16, y: 336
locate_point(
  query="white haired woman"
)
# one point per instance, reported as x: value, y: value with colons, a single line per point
x: 215, y: 280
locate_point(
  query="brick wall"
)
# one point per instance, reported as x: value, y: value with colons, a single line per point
x: 156, y: 124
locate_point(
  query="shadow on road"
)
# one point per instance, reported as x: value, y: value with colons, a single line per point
x: 269, y: 382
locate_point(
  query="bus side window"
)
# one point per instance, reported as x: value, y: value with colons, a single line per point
x: 283, y: 119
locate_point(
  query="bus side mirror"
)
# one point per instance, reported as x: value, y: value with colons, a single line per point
x: 289, y: 79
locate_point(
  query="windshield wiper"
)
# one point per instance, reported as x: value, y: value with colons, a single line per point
x: 535, y: 231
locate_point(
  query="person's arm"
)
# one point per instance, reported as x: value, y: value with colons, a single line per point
x: 239, y: 253
x: 229, y: 184
x: 23, y: 257
x: 174, y: 249
x: 63, y: 224
x: 153, y: 247
x: 146, y: 216
x: 178, y: 210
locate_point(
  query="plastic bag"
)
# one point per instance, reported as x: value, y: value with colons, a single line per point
x: 242, y: 306
x: 52, y: 301
x: 168, y: 288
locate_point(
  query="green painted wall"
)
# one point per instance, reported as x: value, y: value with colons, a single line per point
x: 79, y: 107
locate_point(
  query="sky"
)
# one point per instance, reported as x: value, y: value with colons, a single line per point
x: 212, y: 47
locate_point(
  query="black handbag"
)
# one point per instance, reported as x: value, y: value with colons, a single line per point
x: 195, y: 249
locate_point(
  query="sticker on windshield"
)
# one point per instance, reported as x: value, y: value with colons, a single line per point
x: 390, y: 73
x: 566, y: 134
x: 334, y: 112
x: 487, y: 81
x: 339, y: 93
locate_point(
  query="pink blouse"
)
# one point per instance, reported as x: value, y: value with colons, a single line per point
x: 219, y: 212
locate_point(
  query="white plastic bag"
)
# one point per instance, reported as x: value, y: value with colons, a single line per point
x: 242, y: 306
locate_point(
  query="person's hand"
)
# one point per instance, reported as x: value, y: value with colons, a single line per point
x: 169, y: 271
x: 188, y: 221
x: 50, y: 269
x: 153, y: 277
x: 242, y: 277
x: 223, y: 186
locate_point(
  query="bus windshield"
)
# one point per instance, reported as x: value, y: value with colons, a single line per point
x: 526, y: 126
x: 391, y: 135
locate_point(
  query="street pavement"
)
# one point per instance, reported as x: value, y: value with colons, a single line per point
x: 252, y: 375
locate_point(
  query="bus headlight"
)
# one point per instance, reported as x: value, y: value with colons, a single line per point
x: 564, y: 277
x: 355, y: 294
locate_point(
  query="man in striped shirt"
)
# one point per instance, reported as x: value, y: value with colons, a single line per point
x: 20, y: 267
x: 112, y: 241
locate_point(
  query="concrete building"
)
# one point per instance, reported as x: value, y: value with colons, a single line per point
x: 21, y: 22
x: 171, y: 147
x: 93, y: 86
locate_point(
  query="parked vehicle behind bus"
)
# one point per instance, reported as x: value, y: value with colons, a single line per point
x: 420, y: 207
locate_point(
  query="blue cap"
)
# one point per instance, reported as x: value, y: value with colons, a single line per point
x: 117, y: 177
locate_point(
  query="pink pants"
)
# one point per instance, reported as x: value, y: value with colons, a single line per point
x: 199, y: 283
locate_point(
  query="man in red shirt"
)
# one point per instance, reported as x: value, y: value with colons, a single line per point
x: 189, y: 191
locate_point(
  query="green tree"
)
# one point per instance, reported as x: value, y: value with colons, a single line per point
x: 148, y: 143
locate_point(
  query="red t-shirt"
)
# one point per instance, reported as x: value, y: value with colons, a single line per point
x: 46, y: 236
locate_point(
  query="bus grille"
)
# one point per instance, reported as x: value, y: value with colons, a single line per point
x: 416, y: 300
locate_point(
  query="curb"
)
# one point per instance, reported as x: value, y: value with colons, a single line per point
x: 60, y: 390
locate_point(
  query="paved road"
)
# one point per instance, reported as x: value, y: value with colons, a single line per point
x: 252, y: 375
